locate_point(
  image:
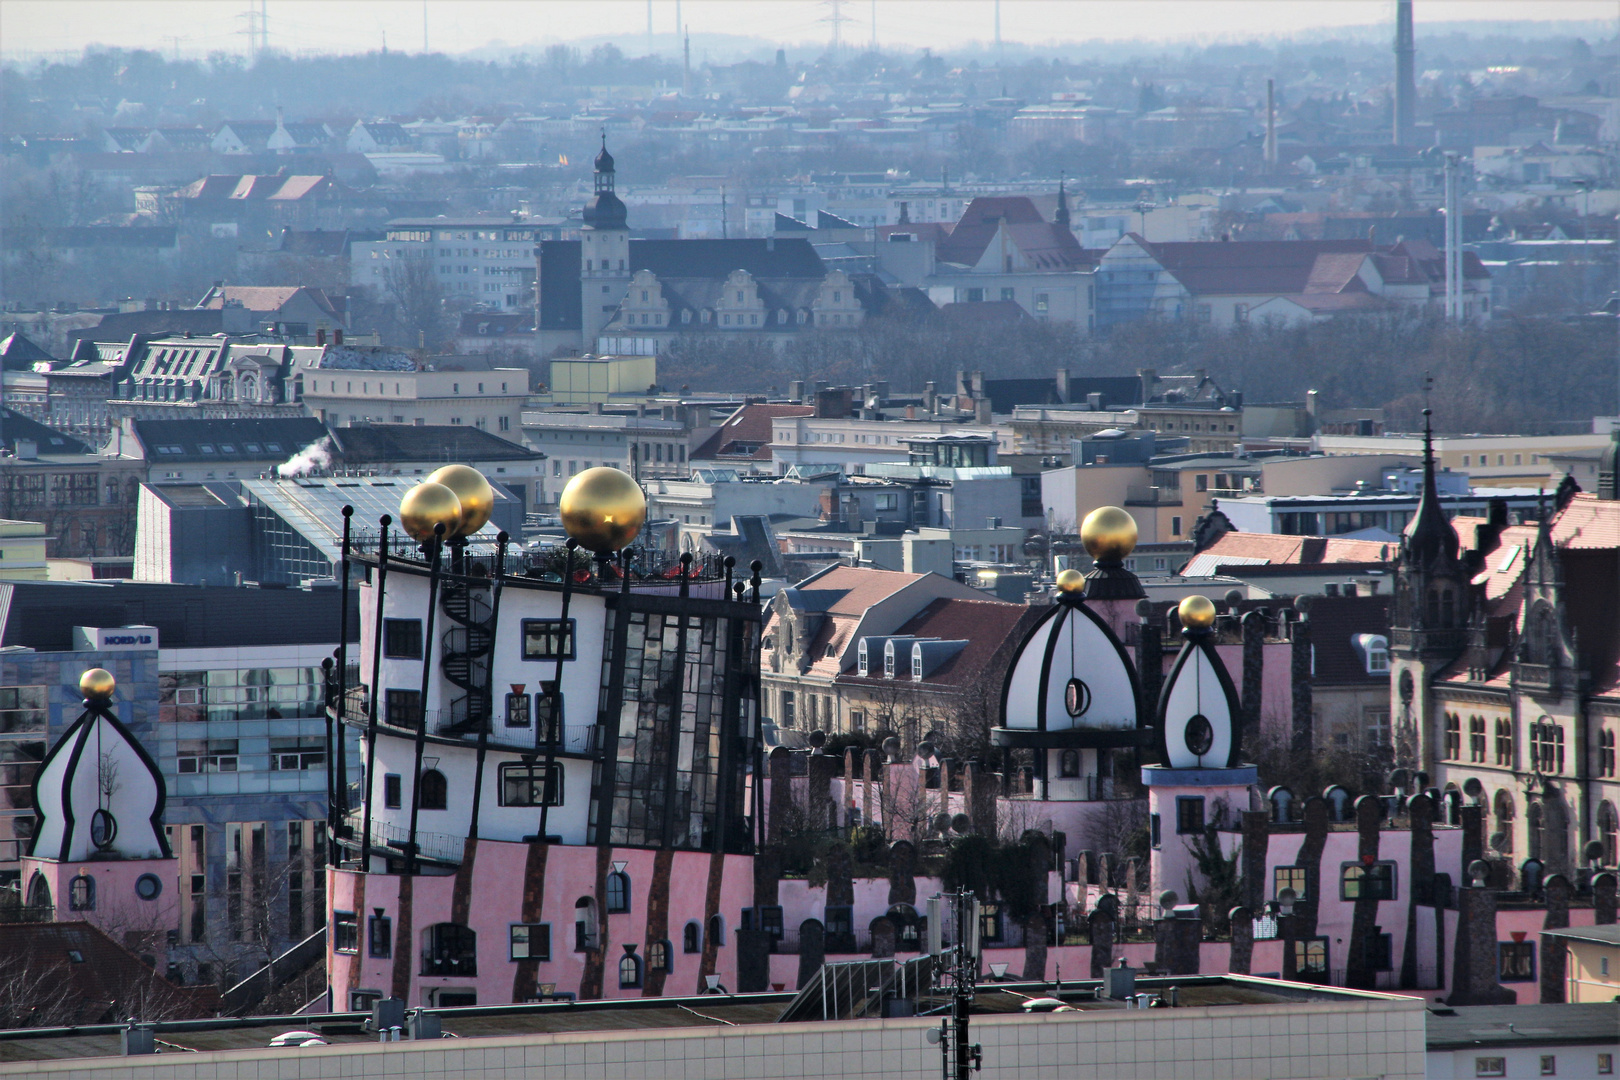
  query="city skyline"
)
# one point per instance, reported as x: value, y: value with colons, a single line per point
x: 35, y: 28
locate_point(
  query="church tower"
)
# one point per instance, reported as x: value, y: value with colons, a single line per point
x: 604, y: 252
x: 1429, y: 621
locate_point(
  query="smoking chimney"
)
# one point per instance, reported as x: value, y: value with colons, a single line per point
x: 1405, y: 78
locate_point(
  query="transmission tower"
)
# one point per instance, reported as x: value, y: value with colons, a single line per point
x: 836, y: 17
x: 256, y: 25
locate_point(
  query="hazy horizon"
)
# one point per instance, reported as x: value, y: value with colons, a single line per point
x: 34, y: 29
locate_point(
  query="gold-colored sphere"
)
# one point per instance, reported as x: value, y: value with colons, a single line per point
x: 1108, y: 533
x: 1196, y: 612
x: 476, y: 495
x: 1071, y: 581
x: 97, y: 684
x: 603, y: 508
x: 426, y: 505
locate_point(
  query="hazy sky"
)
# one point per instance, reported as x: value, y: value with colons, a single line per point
x: 33, y: 27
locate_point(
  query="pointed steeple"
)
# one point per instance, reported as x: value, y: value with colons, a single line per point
x: 1431, y: 540
x: 1062, y: 215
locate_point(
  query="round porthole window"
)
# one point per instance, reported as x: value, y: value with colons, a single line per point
x: 148, y: 886
x: 103, y: 829
x: 1200, y: 734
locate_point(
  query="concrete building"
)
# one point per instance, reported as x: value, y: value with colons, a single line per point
x: 489, y: 261
x: 456, y: 391
x: 646, y: 443
x: 22, y: 551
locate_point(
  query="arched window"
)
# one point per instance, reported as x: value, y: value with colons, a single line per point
x: 658, y: 956
x: 435, y: 790
x: 692, y: 938
x: 1453, y: 750
x: 1609, y: 832
x: 1476, y: 739
x: 39, y: 891
x: 1504, y: 742
x: 82, y: 893
x: 618, y: 893
x: 1069, y: 763
x: 585, y: 924
x: 717, y: 929
x: 1504, y: 821
x: 629, y: 971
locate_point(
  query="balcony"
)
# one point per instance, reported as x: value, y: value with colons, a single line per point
x: 1152, y: 495
x: 393, y: 841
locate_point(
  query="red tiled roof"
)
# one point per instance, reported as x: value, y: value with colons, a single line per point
x: 1278, y: 550
x: 1046, y: 245
x: 104, y: 983
x: 747, y: 433
x: 1588, y: 523
x: 1251, y: 266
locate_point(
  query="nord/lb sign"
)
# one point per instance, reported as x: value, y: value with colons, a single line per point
x: 115, y: 638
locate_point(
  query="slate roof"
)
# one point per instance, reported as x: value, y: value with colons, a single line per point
x: 365, y: 444
x: 746, y: 433
x: 50, y: 441
x: 1334, y: 621
x: 990, y: 628
x: 120, y: 326
x: 18, y: 353
x: 182, y: 441
x: 1046, y: 245
x: 103, y: 981
x: 1487, y: 1027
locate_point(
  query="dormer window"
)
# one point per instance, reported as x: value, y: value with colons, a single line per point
x: 888, y: 660
x: 1374, y: 652
x: 863, y: 660
x: 686, y: 315
x: 705, y: 314
x: 917, y: 663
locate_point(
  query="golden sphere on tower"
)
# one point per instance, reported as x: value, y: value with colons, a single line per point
x: 603, y: 508
x: 97, y: 684
x: 1196, y: 612
x: 426, y: 505
x: 1071, y: 581
x: 1108, y: 533
x: 475, y: 492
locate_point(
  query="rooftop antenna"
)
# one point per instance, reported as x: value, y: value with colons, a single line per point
x: 686, y: 66
x: 424, y: 26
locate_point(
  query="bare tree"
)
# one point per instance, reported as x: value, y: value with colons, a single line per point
x: 418, y: 300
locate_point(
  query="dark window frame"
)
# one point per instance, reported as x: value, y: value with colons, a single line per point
x: 536, y: 941
x: 402, y: 639
x: 1184, y: 822
x: 380, y: 937
x: 1523, y: 967
x: 393, y: 791
x: 346, y: 932
x: 1380, y: 875
x: 537, y: 772
x: 547, y: 647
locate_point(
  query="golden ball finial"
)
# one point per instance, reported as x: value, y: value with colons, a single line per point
x: 603, y: 508
x: 475, y: 493
x: 426, y: 505
x: 1196, y: 612
x: 1071, y: 581
x: 97, y: 684
x: 1108, y: 533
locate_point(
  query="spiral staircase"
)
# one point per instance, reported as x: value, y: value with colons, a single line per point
x: 465, y: 655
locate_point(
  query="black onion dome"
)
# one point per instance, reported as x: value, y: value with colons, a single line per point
x: 605, y: 210
x: 604, y: 160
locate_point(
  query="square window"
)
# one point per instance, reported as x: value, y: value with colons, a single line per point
x: 391, y: 791
x: 1517, y: 961
x: 1490, y: 1066
x: 345, y: 932
x: 1605, y: 1064
x: 1288, y: 877
x: 547, y: 639
x: 530, y: 941
x: 402, y: 639
x: 1549, y: 1065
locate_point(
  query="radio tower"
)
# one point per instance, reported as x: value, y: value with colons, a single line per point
x: 257, y: 29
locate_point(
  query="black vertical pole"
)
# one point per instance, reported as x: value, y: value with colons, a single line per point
x: 435, y: 548
x: 375, y: 691
x: 563, y: 638
x: 331, y: 798
x: 340, y: 763
x: 489, y: 720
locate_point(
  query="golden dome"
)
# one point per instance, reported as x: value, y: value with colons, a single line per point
x: 1071, y: 581
x: 1108, y: 533
x: 1196, y: 612
x: 426, y: 505
x: 475, y: 493
x: 603, y: 508
x: 97, y: 683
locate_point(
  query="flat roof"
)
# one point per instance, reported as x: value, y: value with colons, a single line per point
x: 644, y: 1014
x: 1470, y: 1027
x: 1601, y: 935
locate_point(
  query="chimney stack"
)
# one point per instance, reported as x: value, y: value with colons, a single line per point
x: 1405, y: 73
x: 1271, y: 123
